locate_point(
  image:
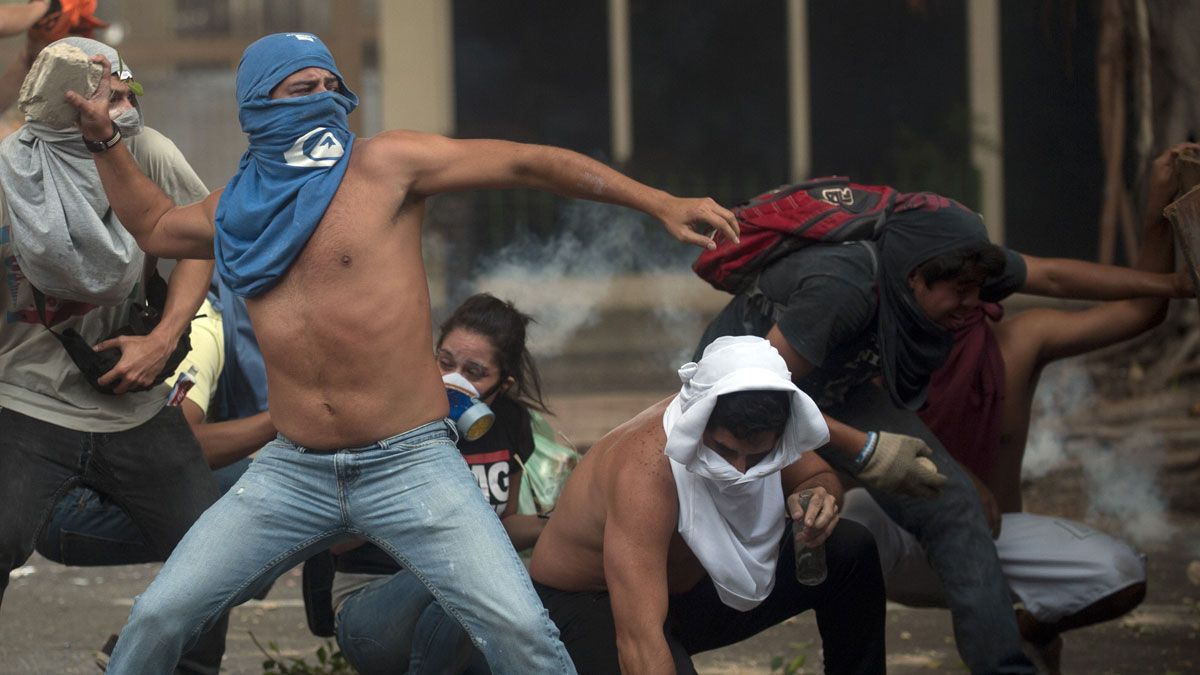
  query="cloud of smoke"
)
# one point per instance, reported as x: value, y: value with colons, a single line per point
x: 1064, y: 389
x: 1122, y: 486
x: 565, y: 281
x: 1121, y: 476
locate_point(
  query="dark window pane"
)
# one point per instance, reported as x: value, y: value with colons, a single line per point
x: 710, y: 95
x: 1052, y: 163
x: 533, y: 72
x: 889, y: 94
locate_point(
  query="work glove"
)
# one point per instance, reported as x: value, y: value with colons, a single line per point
x: 901, y: 464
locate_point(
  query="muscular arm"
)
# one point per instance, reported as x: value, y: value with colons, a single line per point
x: 642, y: 511
x: 429, y: 164
x: 160, y: 227
x: 1082, y: 280
x: 143, y: 357
x: 1149, y: 278
x: 1056, y: 334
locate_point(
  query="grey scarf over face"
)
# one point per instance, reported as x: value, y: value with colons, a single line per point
x: 66, y: 238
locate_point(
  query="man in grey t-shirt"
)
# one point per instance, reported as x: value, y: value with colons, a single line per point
x: 57, y: 429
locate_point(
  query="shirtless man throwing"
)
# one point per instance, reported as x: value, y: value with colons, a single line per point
x: 671, y: 538
x: 321, y: 232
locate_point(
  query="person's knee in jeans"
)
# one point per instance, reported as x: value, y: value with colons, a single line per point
x: 440, y: 645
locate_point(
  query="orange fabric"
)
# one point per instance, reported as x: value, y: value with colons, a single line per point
x: 67, y: 17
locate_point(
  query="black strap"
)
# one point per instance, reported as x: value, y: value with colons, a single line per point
x: 316, y: 584
x: 39, y: 300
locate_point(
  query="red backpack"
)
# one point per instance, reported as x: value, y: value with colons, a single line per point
x: 788, y: 218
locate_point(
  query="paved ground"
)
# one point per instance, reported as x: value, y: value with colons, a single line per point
x: 54, y: 617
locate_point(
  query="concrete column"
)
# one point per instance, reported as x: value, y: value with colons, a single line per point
x: 799, y: 101
x: 416, y: 62
x: 620, y: 81
x: 148, y: 20
x: 987, y: 122
x: 346, y: 43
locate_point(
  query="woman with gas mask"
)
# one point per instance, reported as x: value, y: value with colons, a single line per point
x: 386, y: 620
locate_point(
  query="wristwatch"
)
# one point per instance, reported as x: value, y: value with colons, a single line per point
x: 101, y: 146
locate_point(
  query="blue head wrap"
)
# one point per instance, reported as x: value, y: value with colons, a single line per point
x: 299, y: 150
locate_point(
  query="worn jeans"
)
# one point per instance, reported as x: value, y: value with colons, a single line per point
x: 155, y: 472
x: 395, y: 625
x: 412, y: 495
x: 955, y: 534
x: 88, y: 529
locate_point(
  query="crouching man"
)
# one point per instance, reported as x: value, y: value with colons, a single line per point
x: 672, y: 535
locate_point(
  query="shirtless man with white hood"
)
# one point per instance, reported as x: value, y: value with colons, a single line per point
x: 671, y: 537
x: 322, y: 233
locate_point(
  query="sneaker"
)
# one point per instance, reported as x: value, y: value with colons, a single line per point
x: 105, y: 653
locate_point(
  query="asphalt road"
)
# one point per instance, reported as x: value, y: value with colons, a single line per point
x: 54, y: 618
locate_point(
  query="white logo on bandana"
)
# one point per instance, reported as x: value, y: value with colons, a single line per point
x: 325, y: 152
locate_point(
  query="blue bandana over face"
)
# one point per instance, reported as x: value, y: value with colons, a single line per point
x: 299, y: 151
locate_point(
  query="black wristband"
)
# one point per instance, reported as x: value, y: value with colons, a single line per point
x: 101, y: 146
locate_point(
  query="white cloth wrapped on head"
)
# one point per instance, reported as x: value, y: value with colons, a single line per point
x: 733, y: 521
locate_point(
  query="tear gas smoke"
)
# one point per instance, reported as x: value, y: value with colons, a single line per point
x: 601, y: 256
x: 1121, y: 477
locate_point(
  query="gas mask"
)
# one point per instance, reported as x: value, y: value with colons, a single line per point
x: 471, y: 416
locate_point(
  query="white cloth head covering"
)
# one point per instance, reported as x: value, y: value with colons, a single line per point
x: 733, y: 522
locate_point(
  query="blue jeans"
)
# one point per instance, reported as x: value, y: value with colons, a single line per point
x: 395, y: 625
x: 955, y: 534
x: 412, y: 495
x: 88, y: 529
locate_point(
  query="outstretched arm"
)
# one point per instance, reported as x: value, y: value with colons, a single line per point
x: 1151, y: 277
x: 160, y: 227
x: 429, y: 164
x: 1058, y: 334
x: 1082, y: 280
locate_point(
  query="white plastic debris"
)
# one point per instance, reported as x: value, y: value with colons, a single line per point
x: 22, y: 572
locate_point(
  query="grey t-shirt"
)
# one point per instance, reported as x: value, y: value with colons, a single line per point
x: 824, y: 301
x: 37, y: 378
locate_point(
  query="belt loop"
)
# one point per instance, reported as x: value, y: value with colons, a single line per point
x: 451, y: 429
